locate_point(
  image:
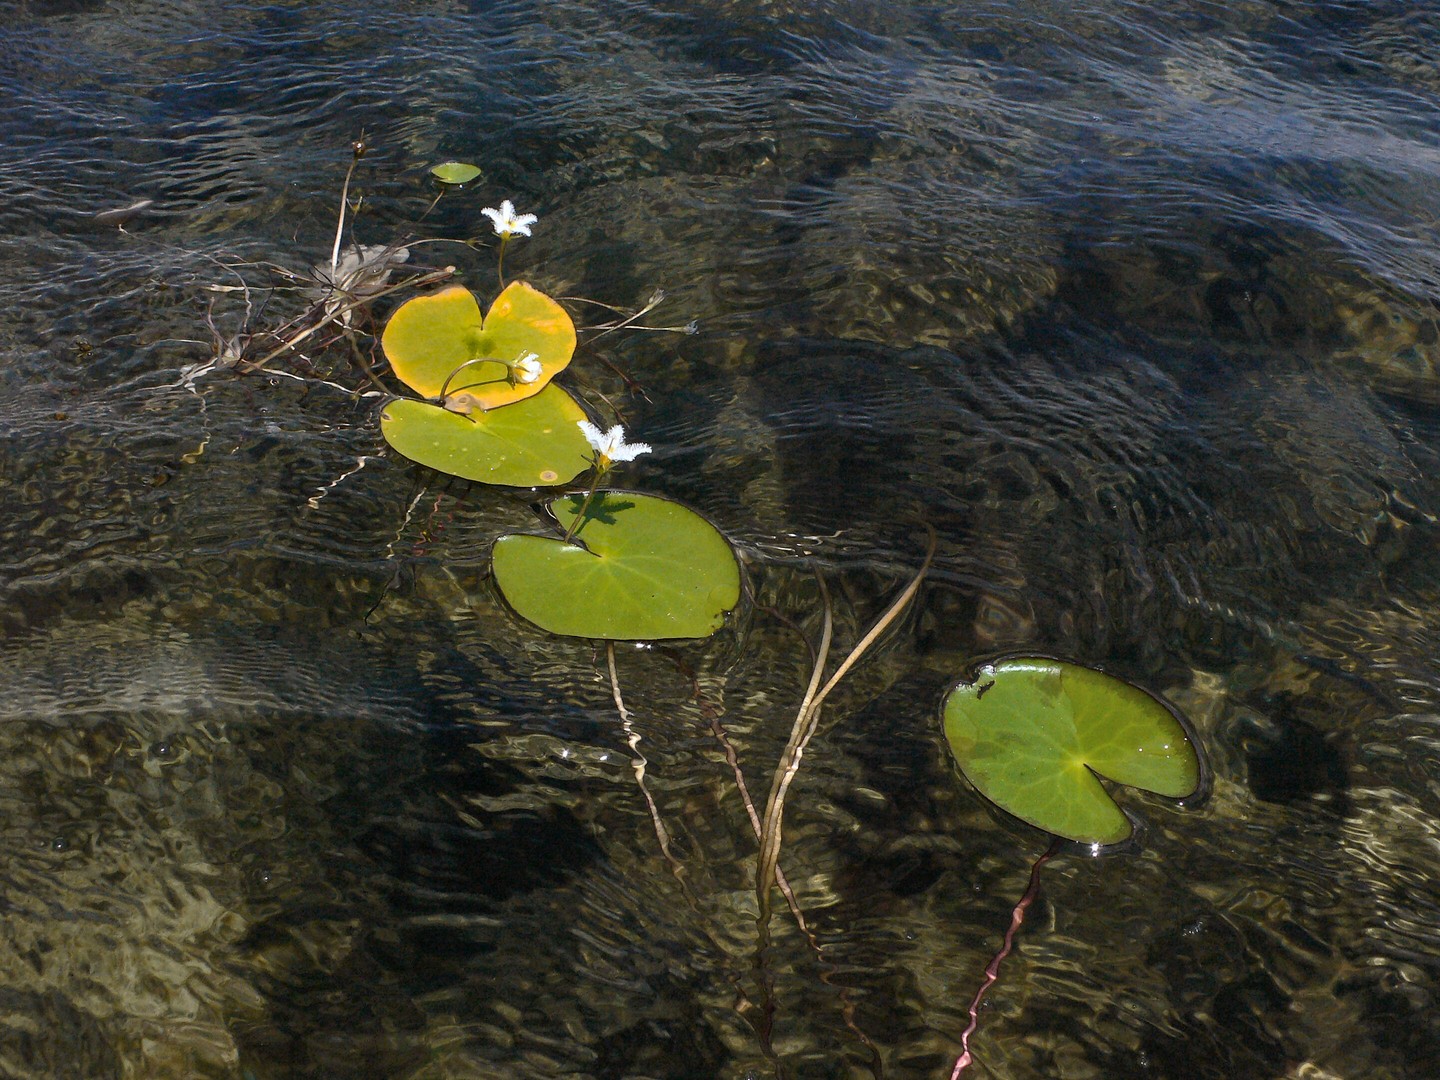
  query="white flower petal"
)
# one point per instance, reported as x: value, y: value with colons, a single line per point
x: 629, y: 451
x: 593, y: 436
x: 527, y: 369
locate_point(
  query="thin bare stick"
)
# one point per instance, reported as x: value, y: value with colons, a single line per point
x: 364, y: 459
x: 632, y: 384
x: 290, y: 343
x: 327, y: 317
x: 689, y: 329
x: 656, y: 298
x: 364, y: 364
x: 732, y: 758
x: 357, y: 150
x: 597, y: 303
x: 629, y: 320
x: 438, y: 196
x: 847, y: 1006
x: 310, y: 381
x: 405, y: 522
x: 743, y: 1004
x: 638, y: 763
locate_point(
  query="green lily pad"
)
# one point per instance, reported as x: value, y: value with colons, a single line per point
x: 649, y: 569
x: 455, y: 172
x: 535, y: 443
x: 440, y: 343
x: 1035, y: 734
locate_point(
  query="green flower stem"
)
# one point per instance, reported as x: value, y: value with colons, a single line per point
x: 601, y: 468
x: 445, y: 386
x: 500, y: 260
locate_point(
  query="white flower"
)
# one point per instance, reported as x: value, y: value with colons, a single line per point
x: 507, y: 222
x: 610, y: 446
x: 527, y: 369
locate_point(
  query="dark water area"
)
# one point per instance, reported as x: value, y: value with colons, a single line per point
x: 1131, y: 303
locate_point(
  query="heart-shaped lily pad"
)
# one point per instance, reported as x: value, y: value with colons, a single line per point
x: 649, y: 569
x: 1033, y: 734
x: 438, y: 345
x: 534, y: 443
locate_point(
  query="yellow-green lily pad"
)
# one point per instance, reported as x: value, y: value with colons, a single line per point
x: 1034, y: 735
x: 648, y: 569
x: 455, y: 172
x: 441, y: 347
x: 533, y: 443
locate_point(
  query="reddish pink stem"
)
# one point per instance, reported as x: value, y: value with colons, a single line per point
x: 992, y: 969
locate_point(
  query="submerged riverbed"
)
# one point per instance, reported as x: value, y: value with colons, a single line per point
x: 1131, y: 304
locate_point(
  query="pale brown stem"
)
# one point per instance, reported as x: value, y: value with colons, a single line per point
x: 638, y: 763
x: 807, y: 720
x: 340, y: 225
x: 789, y: 762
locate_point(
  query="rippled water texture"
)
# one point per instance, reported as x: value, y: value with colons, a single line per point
x: 1129, y: 302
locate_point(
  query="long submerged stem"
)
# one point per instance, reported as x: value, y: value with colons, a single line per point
x: 992, y: 969
x: 638, y: 764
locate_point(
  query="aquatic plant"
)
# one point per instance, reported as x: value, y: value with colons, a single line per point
x: 637, y: 568
x: 532, y: 443
x: 440, y: 346
x: 606, y: 448
x: 507, y: 223
x: 1035, y: 736
x: 455, y: 173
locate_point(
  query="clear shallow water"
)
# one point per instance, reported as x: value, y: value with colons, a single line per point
x: 1130, y: 303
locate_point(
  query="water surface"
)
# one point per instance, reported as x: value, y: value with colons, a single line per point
x: 1130, y: 303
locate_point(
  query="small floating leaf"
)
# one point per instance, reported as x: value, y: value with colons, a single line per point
x: 649, y: 569
x: 1033, y: 734
x: 455, y: 172
x: 433, y: 343
x: 535, y: 443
